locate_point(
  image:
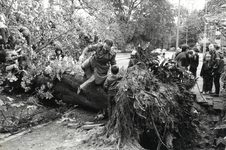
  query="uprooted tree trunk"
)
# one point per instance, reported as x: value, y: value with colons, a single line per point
x: 150, y: 111
x: 66, y: 88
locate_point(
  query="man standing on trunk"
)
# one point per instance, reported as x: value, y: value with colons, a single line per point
x: 96, y: 67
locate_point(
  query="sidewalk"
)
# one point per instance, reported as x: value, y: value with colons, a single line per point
x: 217, y: 103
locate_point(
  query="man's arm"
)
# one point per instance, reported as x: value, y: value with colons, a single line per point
x: 88, y: 49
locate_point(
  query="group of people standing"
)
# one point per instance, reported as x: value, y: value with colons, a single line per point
x: 211, y: 70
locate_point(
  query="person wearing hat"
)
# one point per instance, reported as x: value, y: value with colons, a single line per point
x: 214, y: 63
x: 184, y: 48
x: 194, y: 62
x: 206, y: 72
x: 218, y: 69
x: 96, y: 67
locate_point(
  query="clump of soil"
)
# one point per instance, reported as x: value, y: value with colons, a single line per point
x: 19, y: 112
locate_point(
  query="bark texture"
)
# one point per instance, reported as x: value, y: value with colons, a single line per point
x: 66, y: 90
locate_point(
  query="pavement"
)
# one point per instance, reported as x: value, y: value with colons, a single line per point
x: 216, y: 103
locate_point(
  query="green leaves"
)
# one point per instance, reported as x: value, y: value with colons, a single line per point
x: 11, y: 78
x: 43, y: 94
x: 27, y: 82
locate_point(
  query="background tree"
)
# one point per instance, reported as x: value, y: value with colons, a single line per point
x: 192, y: 29
x: 215, y: 6
x: 133, y: 21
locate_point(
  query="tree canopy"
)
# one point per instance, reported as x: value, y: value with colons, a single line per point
x: 125, y: 21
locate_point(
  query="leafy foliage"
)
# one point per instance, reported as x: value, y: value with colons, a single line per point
x: 214, y: 6
x: 72, y: 25
x: 133, y: 21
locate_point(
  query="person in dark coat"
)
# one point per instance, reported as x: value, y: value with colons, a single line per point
x: 218, y: 69
x: 206, y: 74
x: 194, y: 62
x: 214, y: 62
x: 183, y: 59
x: 184, y: 48
x: 96, y: 67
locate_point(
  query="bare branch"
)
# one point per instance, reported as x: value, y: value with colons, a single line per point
x: 44, y: 46
x: 138, y: 4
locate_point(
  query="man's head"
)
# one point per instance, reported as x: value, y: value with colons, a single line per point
x: 108, y: 44
x: 184, y: 48
x: 114, y: 69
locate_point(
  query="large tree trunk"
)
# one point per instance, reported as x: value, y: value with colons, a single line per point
x: 66, y: 90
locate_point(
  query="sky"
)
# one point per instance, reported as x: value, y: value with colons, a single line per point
x: 190, y: 4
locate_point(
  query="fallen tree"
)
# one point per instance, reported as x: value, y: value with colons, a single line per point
x: 153, y: 110
x: 65, y: 89
x: 153, y: 102
x: 55, y: 80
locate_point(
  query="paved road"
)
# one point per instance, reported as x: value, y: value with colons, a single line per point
x: 123, y: 59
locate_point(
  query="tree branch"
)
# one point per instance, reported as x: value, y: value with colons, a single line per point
x: 44, y: 46
x: 7, y: 11
x: 137, y: 4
